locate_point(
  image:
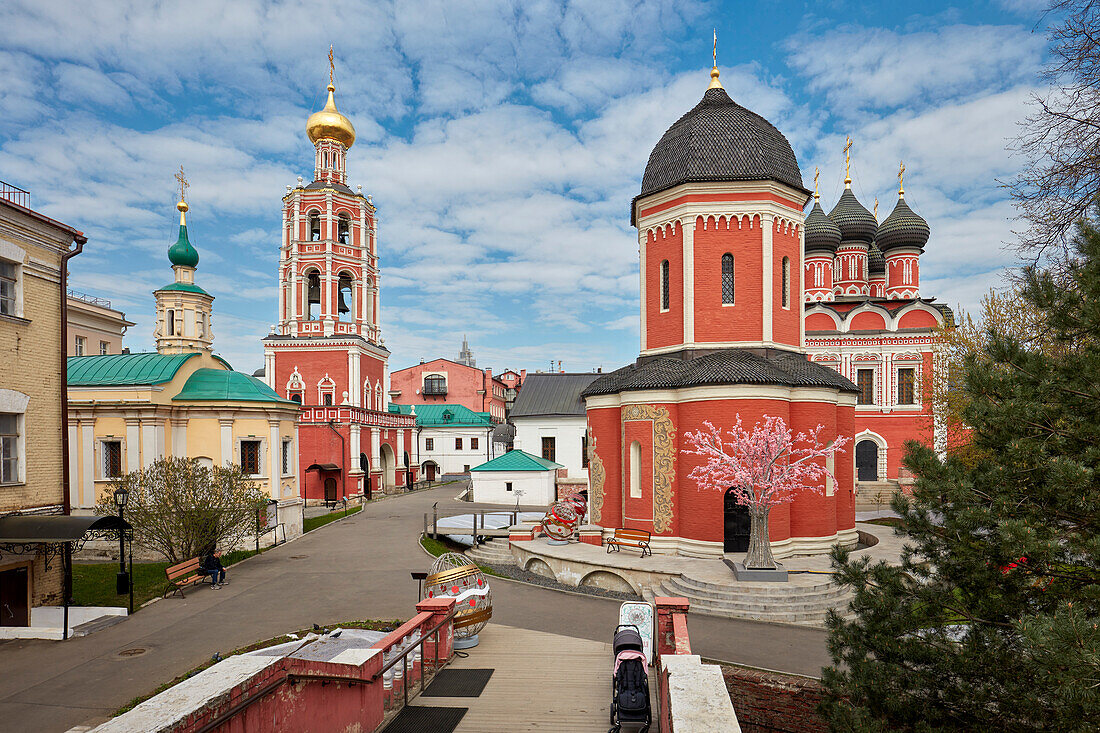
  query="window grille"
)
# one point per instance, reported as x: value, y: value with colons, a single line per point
x: 906, y: 392
x: 865, y: 380
x: 548, y: 449
x: 9, y: 448
x: 727, y: 279
x: 112, y: 458
x: 286, y: 457
x: 458, y: 443
x: 664, y: 285
x: 473, y: 443
x: 435, y: 385
x: 250, y: 457
x: 786, y: 282
x: 429, y: 443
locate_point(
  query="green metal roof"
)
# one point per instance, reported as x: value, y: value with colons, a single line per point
x: 400, y: 409
x: 517, y: 460
x: 124, y: 369
x: 444, y: 415
x: 224, y: 384
x: 185, y: 287
x: 182, y: 253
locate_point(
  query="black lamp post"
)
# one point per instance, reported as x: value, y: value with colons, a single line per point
x: 122, y: 580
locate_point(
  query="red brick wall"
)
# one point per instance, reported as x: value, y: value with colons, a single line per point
x: 769, y: 702
x: 786, y: 322
x: 868, y: 321
x: 665, y: 329
x: 639, y: 511
x: 604, y: 428
x: 819, y: 322
x: 918, y: 319
x: 463, y: 385
x: 743, y: 239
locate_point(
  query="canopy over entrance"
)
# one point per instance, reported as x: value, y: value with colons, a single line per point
x: 54, y: 528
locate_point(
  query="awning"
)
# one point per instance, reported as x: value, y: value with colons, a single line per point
x: 323, y: 467
x: 51, y: 528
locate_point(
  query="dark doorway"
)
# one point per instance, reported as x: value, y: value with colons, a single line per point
x: 737, y: 524
x: 364, y: 466
x: 330, y: 489
x: 14, y: 610
x: 866, y: 460
x: 429, y: 469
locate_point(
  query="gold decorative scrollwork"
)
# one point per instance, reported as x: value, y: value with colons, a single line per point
x: 596, y: 476
x: 664, y: 457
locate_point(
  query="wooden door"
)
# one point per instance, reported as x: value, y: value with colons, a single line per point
x: 14, y: 607
x: 330, y: 489
x: 866, y: 461
x: 737, y: 524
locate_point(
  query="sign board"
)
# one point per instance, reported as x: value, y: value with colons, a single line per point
x: 272, y: 514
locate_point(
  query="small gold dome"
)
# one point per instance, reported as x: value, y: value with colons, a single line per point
x: 330, y: 124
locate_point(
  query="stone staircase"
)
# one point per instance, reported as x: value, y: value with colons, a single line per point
x: 804, y: 601
x: 493, y: 552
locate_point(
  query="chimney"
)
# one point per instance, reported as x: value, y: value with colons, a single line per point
x: 522, y: 375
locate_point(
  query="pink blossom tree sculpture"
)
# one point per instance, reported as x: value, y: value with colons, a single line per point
x: 764, y: 467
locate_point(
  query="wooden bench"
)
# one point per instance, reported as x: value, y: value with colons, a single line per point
x: 185, y: 574
x: 624, y: 537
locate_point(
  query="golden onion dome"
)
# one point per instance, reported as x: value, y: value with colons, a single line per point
x: 330, y: 124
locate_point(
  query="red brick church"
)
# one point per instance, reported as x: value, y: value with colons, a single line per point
x: 327, y: 352
x: 720, y: 231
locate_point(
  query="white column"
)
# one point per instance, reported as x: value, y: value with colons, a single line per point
x: 375, y: 448
x: 148, y: 443
x: 133, y: 445
x: 275, y: 452
x: 74, y: 477
x: 688, y: 235
x: 179, y: 438
x: 401, y: 448
x: 355, y: 390
x: 767, y: 224
x: 158, y: 433
x: 354, y: 443
x: 641, y: 278
x: 226, y: 426
x: 87, y: 459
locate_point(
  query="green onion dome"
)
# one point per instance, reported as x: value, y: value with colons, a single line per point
x: 182, y: 253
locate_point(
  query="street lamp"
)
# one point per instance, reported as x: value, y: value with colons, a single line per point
x: 122, y: 580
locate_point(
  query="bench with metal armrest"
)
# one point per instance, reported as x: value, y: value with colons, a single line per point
x: 185, y: 574
x: 637, y: 538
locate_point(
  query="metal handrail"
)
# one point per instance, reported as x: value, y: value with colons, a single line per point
x: 403, y: 657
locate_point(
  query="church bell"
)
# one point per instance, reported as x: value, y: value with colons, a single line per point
x: 342, y: 305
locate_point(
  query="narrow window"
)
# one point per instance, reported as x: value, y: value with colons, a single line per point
x: 7, y: 288
x: 727, y: 279
x: 473, y: 443
x: 328, y: 399
x: 286, y: 457
x: 548, y: 449
x: 664, y: 285
x: 429, y: 443
x: 313, y: 295
x: 171, y: 322
x: 458, y: 443
x: 507, y: 485
x: 343, y: 229
x: 250, y: 457
x: 296, y: 397
x: 830, y: 466
x: 80, y: 341
x: 104, y: 347
x: 112, y: 458
x: 9, y: 448
x: 315, y: 226
x: 786, y: 282
x: 584, y: 451
x: 200, y: 320
x: 636, y: 470
x: 865, y: 380
x: 906, y: 393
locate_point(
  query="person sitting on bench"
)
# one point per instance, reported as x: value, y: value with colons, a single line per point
x: 213, y: 567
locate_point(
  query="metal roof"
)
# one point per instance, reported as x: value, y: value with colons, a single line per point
x: 183, y: 287
x: 32, y: 528
x: 225, y: 385
x: 124, y: 369
x: 436, y: 416
x: 552, y: 395
x: 517, y: 460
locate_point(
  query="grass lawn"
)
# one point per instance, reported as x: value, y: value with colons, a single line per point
x: 94, y: 583
x: 438, y: 547
x: 886, y: 521
x: 322, y: 520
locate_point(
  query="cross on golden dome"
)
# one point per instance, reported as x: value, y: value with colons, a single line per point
x: 848, y: 162
x: 328, y: 123
x: 184, y: 185
x: 714, y: 83
x: 901, y: 179
x: 817, y: 174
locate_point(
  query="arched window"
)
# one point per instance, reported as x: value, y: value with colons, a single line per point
x: 324, y: 160
x: 343, y: 229
x: 313, y: 295
x: 170, y: 322
x: 378, y: 397
x: 727, y: 279
x: 314, y: 226
x: 345, y: 289
x: 635, y: 470
x: 664, y: 285
x: 435, y: 384
x: 367, y: 395
x: 297, y: 397
x: 786, y: 282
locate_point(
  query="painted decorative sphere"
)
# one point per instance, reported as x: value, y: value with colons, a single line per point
x: 561, y: 520
x: 578, y: 503
x: 454, y: 576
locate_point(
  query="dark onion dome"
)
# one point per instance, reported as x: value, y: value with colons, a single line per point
x: 876, y: 263
x: 856, y: 222
x: 822, y: 235
x: 727, y: 366
x: 903, y: 228
x: 719, y: 140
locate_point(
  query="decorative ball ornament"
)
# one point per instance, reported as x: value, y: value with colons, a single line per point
x: 453, y: 576
x: 561, y: 521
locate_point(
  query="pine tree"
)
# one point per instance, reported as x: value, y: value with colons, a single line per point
x: 991, y: 621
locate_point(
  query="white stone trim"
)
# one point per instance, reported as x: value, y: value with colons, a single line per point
x: 720, y: 345
x: 722, y: 392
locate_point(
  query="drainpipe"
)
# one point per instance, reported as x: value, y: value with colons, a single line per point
x: 343, y: 450
x: 66, y: 502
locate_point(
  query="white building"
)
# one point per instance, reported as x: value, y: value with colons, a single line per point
x: 550, y: 420
x: 451, y: 439
x: 515, y: 477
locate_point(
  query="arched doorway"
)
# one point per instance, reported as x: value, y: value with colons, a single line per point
x: 330, y: 489
x: 866, y: 460
x: 430, y: 470
x: 389, y: 462
x: 737, y: 524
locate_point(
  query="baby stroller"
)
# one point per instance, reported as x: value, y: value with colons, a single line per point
x: 630, y: 711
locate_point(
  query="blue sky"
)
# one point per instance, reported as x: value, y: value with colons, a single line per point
x: 501, y: 141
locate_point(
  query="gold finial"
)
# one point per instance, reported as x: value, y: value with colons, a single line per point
x: 876, y: 208
x: 901, y: 180
x: 817, y: 174
x: 184, y: 185
x: 848, y: 162
x: 714, y: 83
x: 331, y: 71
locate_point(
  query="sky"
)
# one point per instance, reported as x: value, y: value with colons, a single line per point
x: 502, y: 143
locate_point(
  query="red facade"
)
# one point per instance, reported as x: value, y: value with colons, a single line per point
x: 442, y: 381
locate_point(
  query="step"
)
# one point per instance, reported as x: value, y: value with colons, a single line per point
x: 749, y: 608
x: 735, y: 589
x: 97, y: 624
x: 814, y: 617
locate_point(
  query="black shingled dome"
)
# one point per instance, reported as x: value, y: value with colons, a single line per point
x: 719, y: 140
x: 876, y: 263
x: 728, y: 366
x: 855, y: 221
x: 822, y: 235
x: 903, y: 228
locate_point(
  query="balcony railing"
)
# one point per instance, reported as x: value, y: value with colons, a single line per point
x: 434, y: 389
x: 89, y: 299
x: 15, y: 194
x: 359, y: 415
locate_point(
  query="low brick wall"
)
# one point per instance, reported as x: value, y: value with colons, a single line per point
x: 769, y: 702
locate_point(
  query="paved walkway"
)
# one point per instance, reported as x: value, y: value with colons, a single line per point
x: 354, y: 568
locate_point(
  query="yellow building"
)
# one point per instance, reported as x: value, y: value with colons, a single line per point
x: 127, y: 410
x: 33, y: 249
